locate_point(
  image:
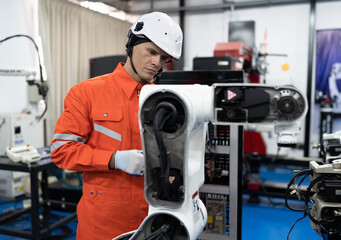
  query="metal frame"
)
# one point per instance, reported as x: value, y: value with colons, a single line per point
x: 310, y: 88
x: 36, y: 233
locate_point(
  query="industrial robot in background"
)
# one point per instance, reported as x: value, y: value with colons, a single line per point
x: 334, y: 77
x: 173, y: 122
x: 324, y: 190
x: 325, y: 184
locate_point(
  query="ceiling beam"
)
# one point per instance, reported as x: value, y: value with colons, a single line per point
x: 225, y: 5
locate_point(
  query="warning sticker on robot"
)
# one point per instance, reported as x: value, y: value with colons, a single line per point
x: 230, y: 94
x: 171, y: 179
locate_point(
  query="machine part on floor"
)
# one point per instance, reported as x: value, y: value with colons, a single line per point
x: 173, y: 121
x: 324, y: 190
x: 325, y: 215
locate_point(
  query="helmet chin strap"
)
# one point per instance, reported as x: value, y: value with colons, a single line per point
x: 156, y: 76
x: 132, y: 64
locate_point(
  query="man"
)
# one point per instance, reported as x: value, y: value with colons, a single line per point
x: 98, y: 132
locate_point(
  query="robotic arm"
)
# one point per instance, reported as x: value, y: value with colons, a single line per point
x: 325, y: 215
x: 173, y: 122
x: 324, y: 189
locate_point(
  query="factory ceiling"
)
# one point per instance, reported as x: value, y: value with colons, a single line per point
x: 173, y: 6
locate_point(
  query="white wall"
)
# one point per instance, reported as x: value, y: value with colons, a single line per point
x: 17, y: 17
x: 328, y: 15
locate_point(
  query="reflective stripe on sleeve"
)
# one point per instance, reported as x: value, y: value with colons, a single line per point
x: 70, y: 137
x: 107, y: 131
x: 67, y: 137
x: 57, y: 145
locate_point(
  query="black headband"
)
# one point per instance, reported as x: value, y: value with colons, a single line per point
x: 140, y: 40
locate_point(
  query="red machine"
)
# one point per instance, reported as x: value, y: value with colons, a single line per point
x: 242, y: 55
x: 233, y: 49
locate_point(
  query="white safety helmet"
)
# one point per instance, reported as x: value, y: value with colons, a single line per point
x: 162, y: 30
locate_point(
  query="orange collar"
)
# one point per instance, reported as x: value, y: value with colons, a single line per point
x: 126, y: 83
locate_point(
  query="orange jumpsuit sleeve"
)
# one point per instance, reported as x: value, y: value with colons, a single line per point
x: 69, y: 148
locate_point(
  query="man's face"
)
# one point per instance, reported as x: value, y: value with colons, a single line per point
x: 148, y: 59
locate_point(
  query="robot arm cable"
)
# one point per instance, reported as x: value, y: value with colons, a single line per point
x: 165, y: 115
x: 300, y: 183
x: 304, y: 173
x: 292, y: 181
x: 159, y: 233
x: 36, y: 47
x: 165, y: 231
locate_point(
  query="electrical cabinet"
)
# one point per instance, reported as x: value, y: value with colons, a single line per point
x: 222, y: 191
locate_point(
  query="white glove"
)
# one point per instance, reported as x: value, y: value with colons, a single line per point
x: 130, y: 161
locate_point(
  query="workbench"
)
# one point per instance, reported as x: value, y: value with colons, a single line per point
x: 40, y: 227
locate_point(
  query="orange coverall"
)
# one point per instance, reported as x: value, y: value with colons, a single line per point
x: 101, y: 116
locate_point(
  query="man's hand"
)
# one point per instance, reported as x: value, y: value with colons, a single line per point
x: 130, y: 161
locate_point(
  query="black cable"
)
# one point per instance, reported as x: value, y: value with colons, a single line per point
x: 294, y: 225
x: 158, y: 233
x: 35, y: 45
x: 300, y: 183
x: 164, y: 167
x: 304, y: 172
x: 42, y: 87
x: 165, y: 115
